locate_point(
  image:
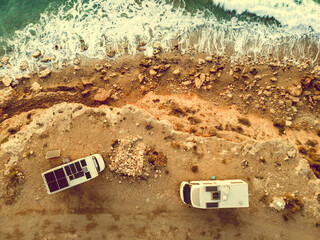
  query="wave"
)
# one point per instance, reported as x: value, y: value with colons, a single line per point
x: 298, y: 14
x: 95, y: 28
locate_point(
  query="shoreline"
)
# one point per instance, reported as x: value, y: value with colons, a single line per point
x: 176, y: 73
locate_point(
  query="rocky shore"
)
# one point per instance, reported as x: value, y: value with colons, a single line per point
x: 166, y: 118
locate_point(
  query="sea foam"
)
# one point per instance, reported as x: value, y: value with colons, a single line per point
x: 123, y: 24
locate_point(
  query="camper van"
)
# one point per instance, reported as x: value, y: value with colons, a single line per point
x: 215, y: 194
x: 73, y: 173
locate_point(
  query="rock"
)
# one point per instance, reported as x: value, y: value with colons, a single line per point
x: 200, y: 80
x: 307, y: 93
x: 303, y: 169
x: 76, y: 68
x: 102, y: 95
x: 86, y: 81
x: 36, y: 87
x: 7, y: 81
x: 47, y: 59
x: 292, y: 153
x: 237, y: 69
x: 6, y: 96
x: 98, y: 67
x: 76, y: 61
x: 141, y: 78
x: 145, y: 63
x: 253, y: 71
x: 26, y: 76
x: 317, y: 85
x: 36, y: 54
x: 288, y: 103
x: 209, y: 59
x: 258, y: 77
x: 245, y: 76
x: 278, y: 203
x: 267, y: 93
x: 273, y: 79
x: 288, y: 123
x: 176, y: 72
x: 19, y: 77
x: 5, y: 60
x: 152, y: 73
x: 44, y: 73
x: 295, y: 91
x: 24, y: 65
x: 201, y: 61
x: 213, y: 69
x: 186, y: 83
x: 157, y: 45
x: 316, y: 68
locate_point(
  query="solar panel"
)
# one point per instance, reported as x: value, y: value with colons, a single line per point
x: 88, y: 175
x: 73, y: 169
x: 78, y: 166
x: 83, y: 163
x: 56, y: 180
x: 212, y: 205
x: 216, y: 195
x: 79, y: 174
x: 63, y: 183
x: 50, y: 177
x: 211, y: 189
x: 59, y: 173
x: 67, y: 168
x: 53, y: 186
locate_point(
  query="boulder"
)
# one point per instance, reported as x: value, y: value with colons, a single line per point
x: 176, y: 72
x: 36, y: 54
x: 157, y: 45
x: 153, y: 73
x: 98, y: 67
x: 36, y: 87
x: 7, y: 81
x: 295, y: 91
x: 44, y: 73
x: 257, y: 77
x: 102, y: 95
x: 5, y: 60
x: 209, y: 59
x: 76, y: 61
x: 303, y: 169
x: 201, y: 61
x: 24, y: 65
x: 278, y: 203
x: 141, y: 78
x: 6, y: 96
x: 199, y: 80
x: 47, y: 59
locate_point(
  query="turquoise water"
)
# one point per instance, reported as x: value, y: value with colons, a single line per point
x: 286, y: 28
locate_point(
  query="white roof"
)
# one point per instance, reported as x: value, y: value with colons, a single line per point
x: 219, y: 194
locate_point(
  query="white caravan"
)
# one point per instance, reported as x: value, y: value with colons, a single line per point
x: 215, y: 194
x: 74, y: 173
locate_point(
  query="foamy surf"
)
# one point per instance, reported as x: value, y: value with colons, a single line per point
x: 96, y: 28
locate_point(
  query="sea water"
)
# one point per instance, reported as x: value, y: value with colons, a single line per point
x: 288, y: 29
